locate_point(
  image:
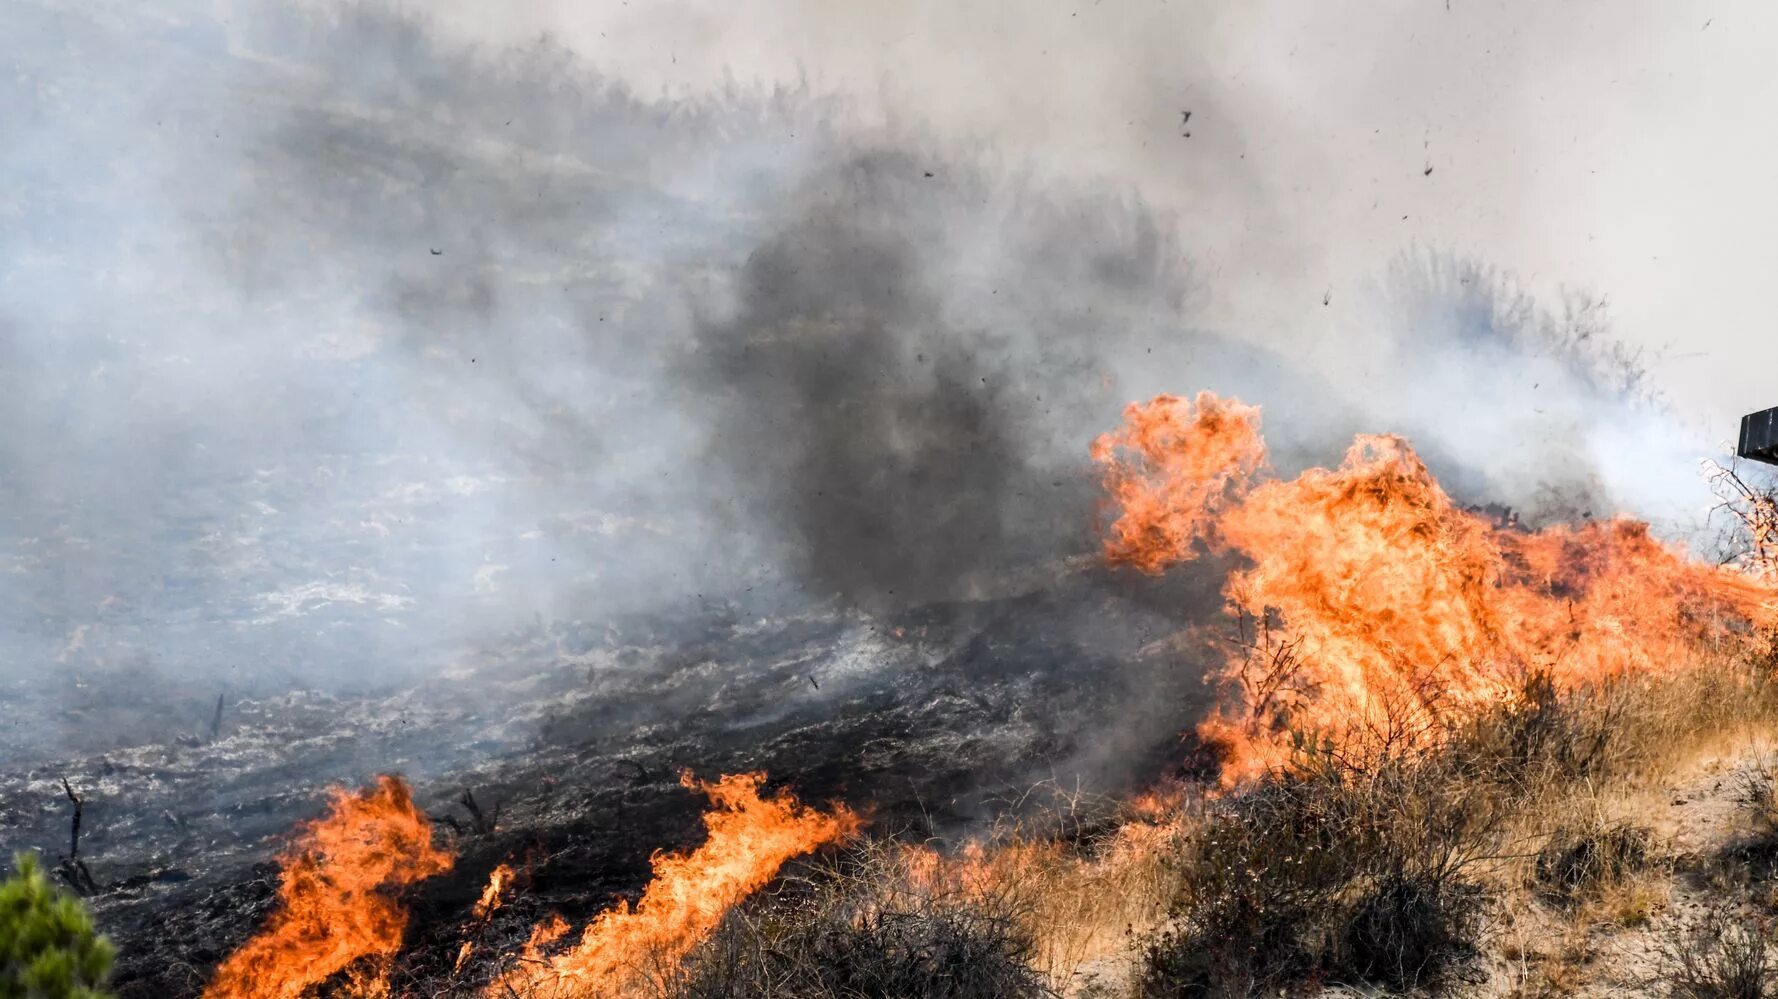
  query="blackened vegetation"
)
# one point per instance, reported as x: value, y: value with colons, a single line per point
x: 932, y: 720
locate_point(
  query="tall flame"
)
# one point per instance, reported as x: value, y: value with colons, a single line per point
x: 1190, y: 458
x: 334, y: 912
x: 749, y: 838
x: 1371, y: 602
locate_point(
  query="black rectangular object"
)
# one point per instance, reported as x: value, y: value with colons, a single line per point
x: 1759, y: 436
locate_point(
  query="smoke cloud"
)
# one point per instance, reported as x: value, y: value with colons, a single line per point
x: 329, y: 340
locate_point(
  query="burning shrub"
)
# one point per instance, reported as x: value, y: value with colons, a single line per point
x: 871, y: 933
x: 1411, y: 611
x: 1540, y: 735
x: 48, y: 947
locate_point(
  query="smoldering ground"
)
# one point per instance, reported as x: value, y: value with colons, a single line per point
x: 336, y: 345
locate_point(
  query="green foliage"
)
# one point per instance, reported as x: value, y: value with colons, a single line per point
x: 48, y: 947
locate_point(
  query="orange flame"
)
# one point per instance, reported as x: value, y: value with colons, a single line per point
x: 334, y: 912
x: 749, y: 838
x: 492, y: 897
x: 1375, y: 602
x: 1188, y: 458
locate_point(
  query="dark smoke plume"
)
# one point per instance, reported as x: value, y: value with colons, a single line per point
x: 911, y: 418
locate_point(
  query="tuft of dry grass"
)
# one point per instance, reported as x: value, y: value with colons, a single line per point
x: 1594, y: 857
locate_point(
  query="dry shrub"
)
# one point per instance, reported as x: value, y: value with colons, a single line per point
x: 1719, y: 955
x: 1749, y: 861
x: 1586, y: 860
x: 1758, y: 794
x: 1340, y: 870
x: 1411, y: 931
x: 863, y: 928
x: 1362, y: 865
x: 1543, y: 741
x: 1365, y: 864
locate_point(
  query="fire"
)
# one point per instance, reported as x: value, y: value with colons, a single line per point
x: 1369, y: 602
x: 334, y: 912
x: 1193, y: 456
x: 749, y: 839
x: 492, y: 897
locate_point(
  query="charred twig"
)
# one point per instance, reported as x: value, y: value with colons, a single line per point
x: 1272, y: 675
x: 74, y: 838
x: 1751, y: 539
x: 73, y: 869
x: 642, y: 775
x: 481, y: 823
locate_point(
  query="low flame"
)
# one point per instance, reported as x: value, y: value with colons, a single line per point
x: 1370, y: 602
x: 493, y: 895
x: 334, y: 912
x: 749, y: 839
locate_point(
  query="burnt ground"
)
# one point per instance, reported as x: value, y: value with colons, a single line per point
x: 931, y: 721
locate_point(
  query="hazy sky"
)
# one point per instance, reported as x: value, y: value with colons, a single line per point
x: 1621, y: 148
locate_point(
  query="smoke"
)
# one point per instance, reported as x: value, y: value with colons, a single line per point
x: 899, y: 390
x: 337, y: 341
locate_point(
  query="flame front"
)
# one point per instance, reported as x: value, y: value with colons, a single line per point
x: 749, y: 839
x: 1369, y: 602
x: 334, y: 913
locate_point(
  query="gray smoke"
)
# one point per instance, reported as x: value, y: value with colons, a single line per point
x: 326, y: 343
x: 907, y: 409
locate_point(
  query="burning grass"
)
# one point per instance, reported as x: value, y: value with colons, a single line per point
x: 874, y: 924
x: 1379, y: 608
x: 1387, y: 866
x: 334, y: 913
x: 1429, y: 719
x: 625, y: 950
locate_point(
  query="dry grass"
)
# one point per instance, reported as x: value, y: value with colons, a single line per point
x: 868, y: 925
x: 1506, y: 851
x: 1721, y: 954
